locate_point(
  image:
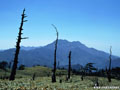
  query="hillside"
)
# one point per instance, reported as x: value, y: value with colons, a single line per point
x: 28, y: 72
x: 42, y: 81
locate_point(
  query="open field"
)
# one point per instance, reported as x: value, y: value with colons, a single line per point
x: 43, y: 81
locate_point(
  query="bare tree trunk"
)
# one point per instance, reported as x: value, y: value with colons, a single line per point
x: 69, y: 68
x: 82, y: 76
x: 109, y: 70
x: 13, y: 72
x: 33, y: 77
x: 54, y: 70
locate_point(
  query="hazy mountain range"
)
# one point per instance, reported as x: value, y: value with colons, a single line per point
x: 81, y: 54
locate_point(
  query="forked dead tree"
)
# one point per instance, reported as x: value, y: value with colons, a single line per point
x: 109, y: 70
x: 69, y: 66
x: 14, y: 67
x: 54, y: 69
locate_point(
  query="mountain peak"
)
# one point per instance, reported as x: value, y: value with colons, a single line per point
x: 44, y: 55
x: 63, y: 41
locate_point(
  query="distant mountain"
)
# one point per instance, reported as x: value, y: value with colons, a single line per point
x: 28, y: 48
x: 115, y: 62
x: 81, y: 54
x: 1, y: 50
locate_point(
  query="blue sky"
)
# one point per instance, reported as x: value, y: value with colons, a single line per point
x: 95, y: 23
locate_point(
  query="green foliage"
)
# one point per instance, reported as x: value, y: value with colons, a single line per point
x: 3, y: 65
x: 44, y: 83
x: 89, y: 67
x: 21, y: 67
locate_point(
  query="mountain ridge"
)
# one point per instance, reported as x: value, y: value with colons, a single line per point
x: 81, y: 54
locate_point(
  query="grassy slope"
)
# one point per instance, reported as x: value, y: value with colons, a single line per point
x: 43, y: 81
x: 40, y: 71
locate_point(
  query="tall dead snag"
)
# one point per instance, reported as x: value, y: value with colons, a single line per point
x: 69, y: 66
x: 54, y: 69
x: 109, y: 71
x: 14, y: 67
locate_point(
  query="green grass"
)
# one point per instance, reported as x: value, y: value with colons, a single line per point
x: 40, y: 71
x: 43, y: 82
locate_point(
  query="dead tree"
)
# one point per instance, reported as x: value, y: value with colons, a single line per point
x: 109, y: 70
x: 82, y: 76
x: 54, y: 69
x: 69, y: 66
x: 33, y: 77
x: 14, y: 67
